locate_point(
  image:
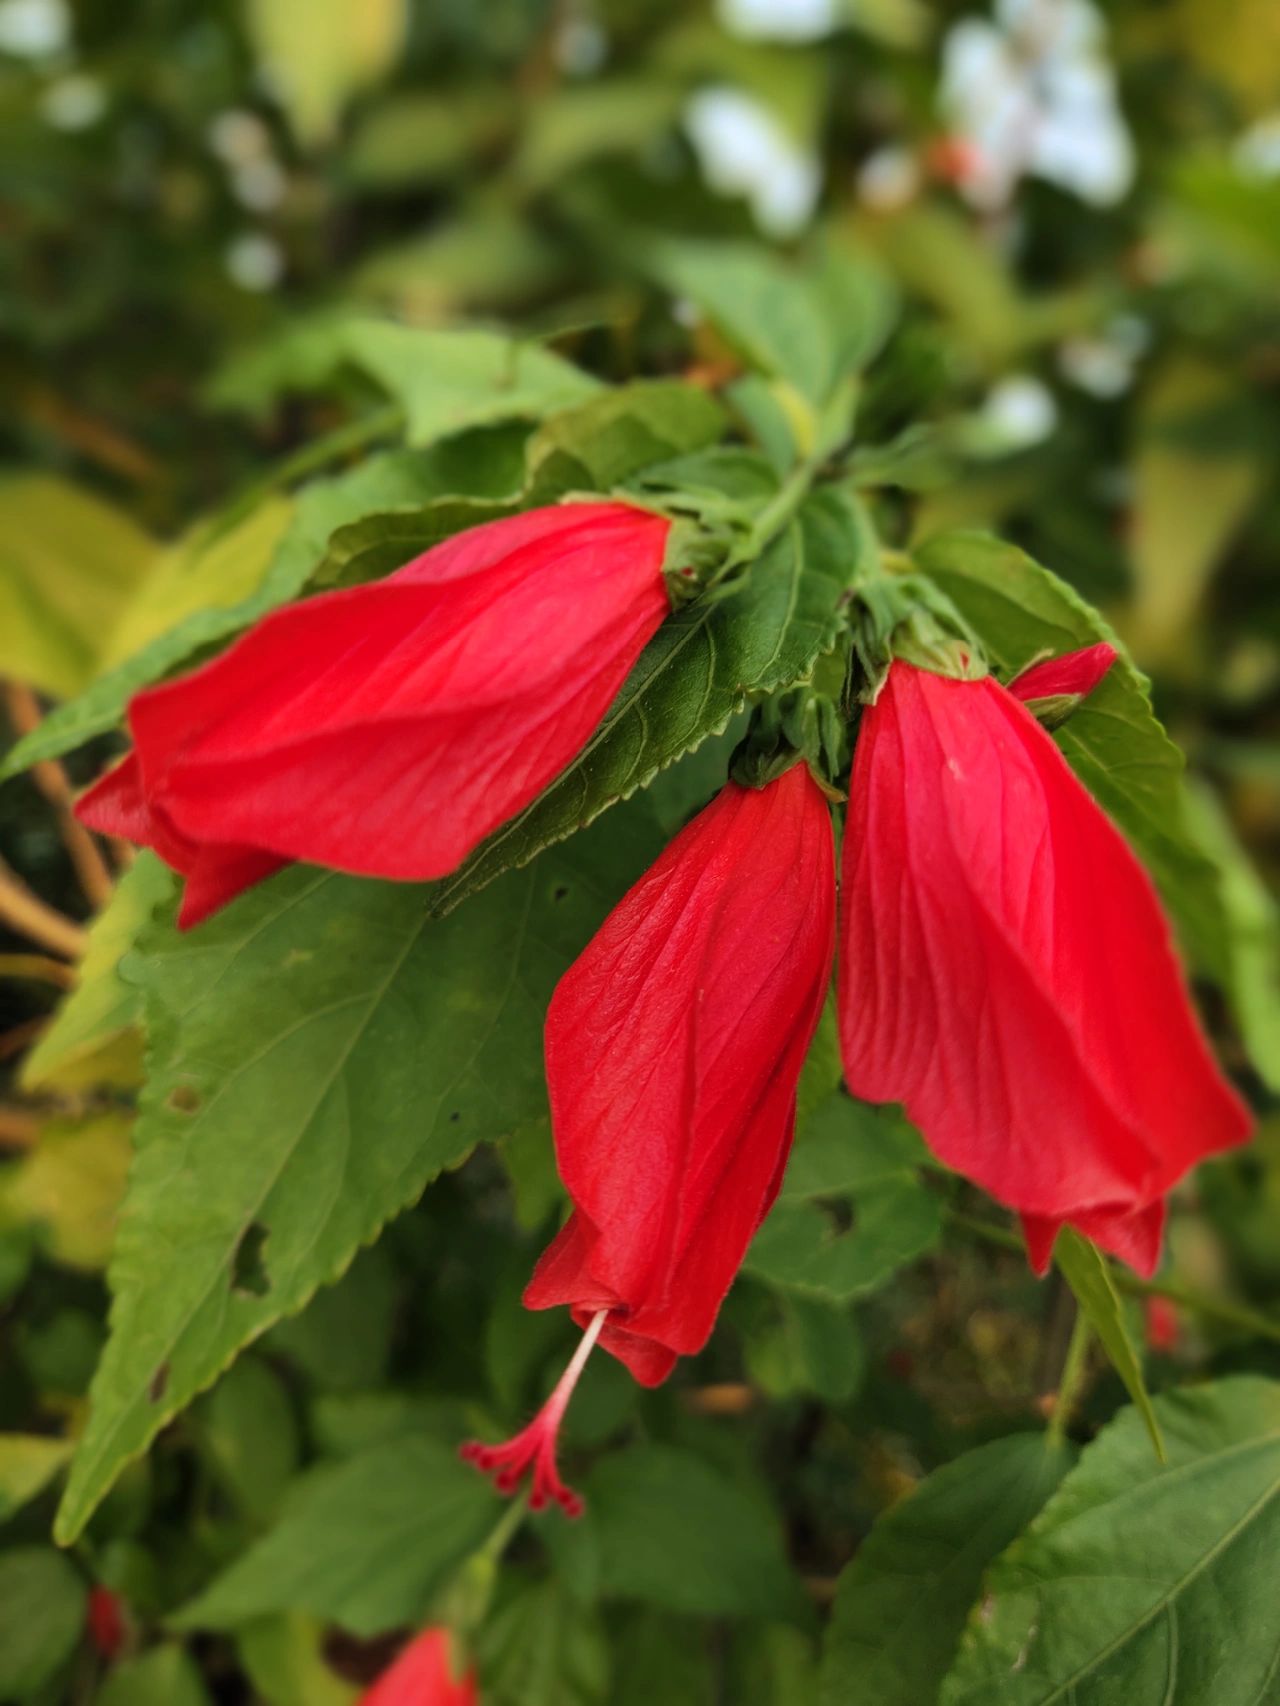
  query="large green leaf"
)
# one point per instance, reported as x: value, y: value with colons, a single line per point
x: 672, y: 1531
x: 901, y: 1605
x: 807, y: 326
x: 69, y: 564
x: 703, y: 664
x: 163, y: 1676
x: 542, y: 1648
x: 102, y: 1008
x: 318, y: 1052
x: 366, y: 1542
x: 1112, y: 741
x: 42, y: 1603
x: 1085, y: 1270
x: 852, y: 1210
x: 1142, y: 1583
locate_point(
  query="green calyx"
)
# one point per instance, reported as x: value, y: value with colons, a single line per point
x: 905, y: 616
x: 800, y: 725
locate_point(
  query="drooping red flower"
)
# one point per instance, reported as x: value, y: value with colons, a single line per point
x: 674, y: 1046
x: 387, y: 729
x: 1006, y: 971
x: 423, y: 1675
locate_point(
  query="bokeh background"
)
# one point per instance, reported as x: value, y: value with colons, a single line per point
x: 1080, y: 204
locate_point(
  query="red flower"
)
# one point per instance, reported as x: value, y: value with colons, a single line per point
x: 1006, y: 970
x: 674, y: 1046
x: 106, y: 1621
x: 388, y: 729
x: 423, y: 1675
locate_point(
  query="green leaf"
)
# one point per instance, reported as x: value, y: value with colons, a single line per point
x: 1140, y: 1582
x: 1113, y: 741
x: 76, y: 1050
x: 42, y: 1605
x: 851, y: 1211
x: 703, y: 664
x: 674, y: 1532
x: 28, y: 1462
x: 809, y: 327
x: 1085, y: 1270
x: 803, y: 1248
x: 69, y: 1185
x: 366, y: 1542
x: 318, y: 56
x: 464, y: 471
x: 165, y: 1676
x: 541, y: 1648
x: 284, y: 1659
x: 318, y: 1053
x: 814, y: 1346
x: 248, y: 1434
x: 901, y: 1605
x: 69, y: 563
x: 1253, y: 937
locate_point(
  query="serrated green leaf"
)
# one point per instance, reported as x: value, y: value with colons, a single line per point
x: 652, y: 1505
x: 1085, y: 1270
x: 703, y: 664
x: 102, y: 1008
x: 69, y: 564
x: 541, y: 1648
x: 366, y: 1542
x: 902, y: 1603
x: 318, y: 1052
x: 1112, y: 741
x: 1140, y: 1582
x: 28, y: 1462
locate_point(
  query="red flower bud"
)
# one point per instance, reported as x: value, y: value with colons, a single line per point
x: 423, y: 1675
x: 105, y: 1616
x: 386, y: 730
x: 1007, y: 973
x: 674, y: 1047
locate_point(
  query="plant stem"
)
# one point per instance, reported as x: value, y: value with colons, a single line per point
x: 1075, y: 1372
x: 51, y: 779
x: 29, y: 916
x: 1214, y: 1308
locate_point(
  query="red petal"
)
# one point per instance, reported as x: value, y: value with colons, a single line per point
x: 1072, y: 673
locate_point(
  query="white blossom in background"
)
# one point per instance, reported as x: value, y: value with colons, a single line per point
x: 255, y: 261
x: 1104, y: 365
x: 780, y: 20
x: 744, y: 150
x: 1019, y: 412
x: 1257, y: 152
x: 34, y: 29
x: 73, y: 103
x: 1033, y: 93
x: 888, y: 178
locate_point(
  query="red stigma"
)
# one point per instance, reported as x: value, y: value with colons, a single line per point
x: 533, y: 1449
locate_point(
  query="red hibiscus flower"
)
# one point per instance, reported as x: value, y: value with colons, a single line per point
x: 386, y: 730
x: 1006, y: 971
x: 674, y: 1047
x: 423, y: 1675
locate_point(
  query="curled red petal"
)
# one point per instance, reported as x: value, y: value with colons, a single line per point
x: 1072, y: 674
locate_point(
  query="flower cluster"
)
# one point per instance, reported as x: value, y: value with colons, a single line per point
x: 1005, y: 969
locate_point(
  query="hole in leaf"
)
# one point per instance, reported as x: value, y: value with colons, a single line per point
x: 454, y: 1117
x: 185, y: 1099
x: 249, y: 1276
x: 159, y: 1383
x: 560, y: 892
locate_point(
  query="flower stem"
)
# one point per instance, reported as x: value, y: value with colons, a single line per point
x: 1075, y: 1372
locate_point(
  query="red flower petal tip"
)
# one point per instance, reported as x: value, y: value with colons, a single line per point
x: 1072, y: 675
x: 533, y: 1449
